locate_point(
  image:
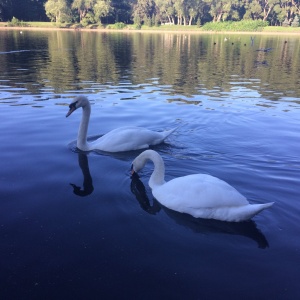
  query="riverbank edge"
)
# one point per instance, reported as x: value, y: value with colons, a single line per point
x: 127, y: 30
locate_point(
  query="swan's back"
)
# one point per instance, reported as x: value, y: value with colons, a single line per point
x: 129, y: 138
x: 199, y: 191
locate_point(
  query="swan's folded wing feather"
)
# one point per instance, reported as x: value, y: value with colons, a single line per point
x: 128, y: 138
x: 198, y: 191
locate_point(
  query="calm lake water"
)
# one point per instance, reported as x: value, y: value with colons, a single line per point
x: 74, y: 225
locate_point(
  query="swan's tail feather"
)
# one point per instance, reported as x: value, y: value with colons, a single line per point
x: 252, y: 210
x: 234, y: 213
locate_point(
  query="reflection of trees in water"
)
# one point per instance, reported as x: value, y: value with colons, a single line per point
x: 247, y: 229
x: 190, y: 64
x: 80, y: 57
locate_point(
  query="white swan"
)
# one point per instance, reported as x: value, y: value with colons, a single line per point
x: 120, y: 139
x: 200, y: 195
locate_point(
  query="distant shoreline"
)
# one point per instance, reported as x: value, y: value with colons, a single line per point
x: 182, y: 31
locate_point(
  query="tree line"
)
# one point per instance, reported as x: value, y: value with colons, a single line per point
x: 177, y: 12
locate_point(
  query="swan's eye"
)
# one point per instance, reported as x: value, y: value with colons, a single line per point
x: 73, y: 105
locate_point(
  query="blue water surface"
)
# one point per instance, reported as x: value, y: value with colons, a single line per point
x: 76, y: 225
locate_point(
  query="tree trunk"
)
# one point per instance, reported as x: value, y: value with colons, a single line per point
x: 219, y: 17
x: 266, y: 14
x: 82, y: 14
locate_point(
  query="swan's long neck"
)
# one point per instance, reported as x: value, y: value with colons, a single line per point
x: 157, y: 178
x: 83, y: 128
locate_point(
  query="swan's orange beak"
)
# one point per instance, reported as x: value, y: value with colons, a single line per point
x: 72, y: 108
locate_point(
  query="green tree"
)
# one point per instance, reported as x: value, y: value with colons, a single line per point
x: 295, y: 22
x: 83, y: 7
x: 166, y: 10
x: 145, y: 9
x: 122, y: 10
x: 58, y: 10
x: 192, y: 10
x: 224, y: 10
x: 102, y: 8
x: 181, y: 11
x: 196, y: 8
x: 253, y: 10
x: 267, y: 7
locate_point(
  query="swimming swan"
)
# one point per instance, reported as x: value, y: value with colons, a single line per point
x: 120, y: 139
x: 200, y: 195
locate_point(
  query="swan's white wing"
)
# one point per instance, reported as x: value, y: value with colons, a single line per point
x: 198, y: 191
x: 127, y: 139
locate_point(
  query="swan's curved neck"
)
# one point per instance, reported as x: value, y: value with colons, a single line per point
x: 83, y: 128
x: 157, y: 178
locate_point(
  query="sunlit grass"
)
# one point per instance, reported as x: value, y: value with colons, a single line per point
x: 41, y: 24
x: 171, y: 27
x: 218, y: 27
x: 281, y: 29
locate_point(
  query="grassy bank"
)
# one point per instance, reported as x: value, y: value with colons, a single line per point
x: 207, y: 28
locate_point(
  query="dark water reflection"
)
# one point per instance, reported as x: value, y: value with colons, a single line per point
x: 88, y: 187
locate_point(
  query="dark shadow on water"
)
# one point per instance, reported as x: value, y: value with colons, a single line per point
x: 138, y: 189
x: 88, y: 187
x: 248, y: 228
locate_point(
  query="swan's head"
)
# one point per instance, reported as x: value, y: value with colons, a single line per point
x: 79, y: 101
x: 138, y: 164
x: 141, y: 160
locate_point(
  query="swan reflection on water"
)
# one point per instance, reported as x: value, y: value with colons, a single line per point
x: 247, y: 228
x: 88, y: 187
x: 138, y: 189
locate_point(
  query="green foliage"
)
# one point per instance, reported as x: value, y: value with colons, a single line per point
x: 137, y: 26
x: 286, y: 23
x: 245, y: 25
x: 147, y: 22
x: 153, y: 12
x: 88, y: 19
x: 102, y: 8
x: 155, y: 21
x: 16, y: 23
x: 137, y: 20
x: 119, y: 25
x: 295, y: 22
x: 58, y: 11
